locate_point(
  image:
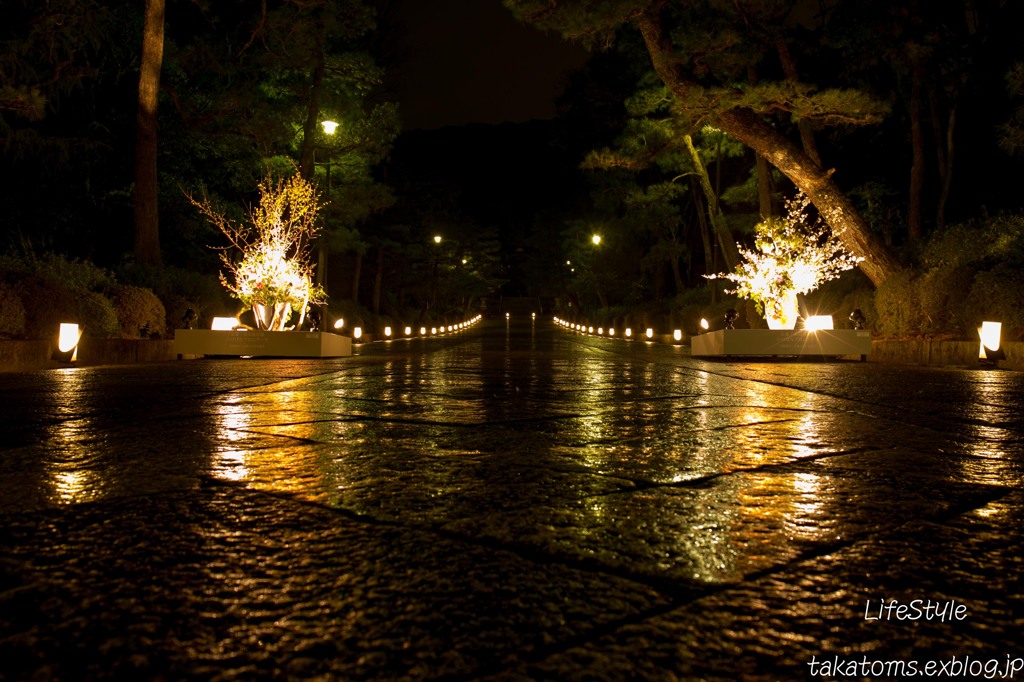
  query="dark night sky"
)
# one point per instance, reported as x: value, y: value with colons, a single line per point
x: 470, y: 61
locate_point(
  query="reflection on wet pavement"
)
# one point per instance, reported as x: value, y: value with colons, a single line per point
x: 727, y: 519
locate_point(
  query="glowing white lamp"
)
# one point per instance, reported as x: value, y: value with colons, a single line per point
x: 600, y: 331
x: 590, y: 330
x: 817, y: 322
x: 408, y: 331
x: 704, y: 324
x: 387, y: 332
x: 677, y: 334
x: 67, y: 342
x: 611, y: 331
x: 339, y: 324
x: 223, y: 324
x: 650, y: 333
x: 991, y: 338
x: 357, y: 333
x: 329, y: 126
x: 629, y: 332
x: 423, y: 331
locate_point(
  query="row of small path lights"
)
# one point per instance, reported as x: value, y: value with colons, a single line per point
x: 388, y: 333
x: 627, y: 334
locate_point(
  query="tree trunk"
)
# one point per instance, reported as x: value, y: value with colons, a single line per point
x: 750, y: 129
x: 705, y: 234
x: 764, y: 187
x: 357, y: 273
x: 943, y: 154
x: 378, y: 281
x: 725, y: 240
x: 914, y: 229
x: 307, y: 155
x: 310, y: 128
x: 146, y: 209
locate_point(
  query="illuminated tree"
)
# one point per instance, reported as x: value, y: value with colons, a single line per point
x: 147, y: 231
x: 275, y: 269
x: 791, y: 256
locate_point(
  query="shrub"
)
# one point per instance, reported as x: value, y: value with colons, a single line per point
x: 179, y: 290
x: 836, y: 297
x: 12, y: 313
x: 70, y: 274
x: 940, y: 293
x: 139, y: 311
x: 96, y: 315
x: 997, y: 295
x: 897, y: 305
x: 998, y: 239
x: 47, y: 304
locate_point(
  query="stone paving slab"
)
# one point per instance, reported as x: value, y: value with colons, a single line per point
x: 773, y: 627
x: 225, y: 583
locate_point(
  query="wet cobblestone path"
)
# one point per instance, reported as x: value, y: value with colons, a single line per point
x: 513, y: 503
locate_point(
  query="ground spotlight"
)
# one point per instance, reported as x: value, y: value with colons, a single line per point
x: 67, y: 342
x: 990, y: 351
x: 857, y: 319
x: 190, y: 318
x: 730, y: 318
x: 313, y: 320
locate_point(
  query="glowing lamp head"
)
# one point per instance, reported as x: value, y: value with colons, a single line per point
x: 650, y: 333
x: 991, y: 339
x: 339, y: 324
x: 437, y: 239
x: 677, y: 335
x: 357, y: 333
x: 704, y: 324
x: 629, y: 332
x: 596, y: 239
x: 387, y: 332
x: 68, y: 337
x: 408, y: 331
x: 329, y: 126
x: 818, y: 322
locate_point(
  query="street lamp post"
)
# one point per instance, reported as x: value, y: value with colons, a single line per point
x: 321, y: 260
x: 437, y: 242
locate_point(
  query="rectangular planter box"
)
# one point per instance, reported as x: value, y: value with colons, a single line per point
x: 253, y: 343
x: 781, y: 343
